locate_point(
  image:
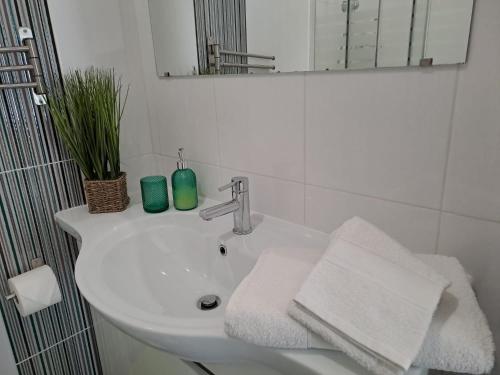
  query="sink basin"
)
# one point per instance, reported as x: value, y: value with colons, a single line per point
x: 145, y: 274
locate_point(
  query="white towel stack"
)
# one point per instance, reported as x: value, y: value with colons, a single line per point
x: 370, y: 297
x: 459, y: 339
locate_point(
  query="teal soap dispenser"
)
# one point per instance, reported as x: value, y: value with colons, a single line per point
x: 184, y: 186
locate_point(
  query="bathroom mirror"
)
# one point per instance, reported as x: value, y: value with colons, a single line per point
x: 198, y: 37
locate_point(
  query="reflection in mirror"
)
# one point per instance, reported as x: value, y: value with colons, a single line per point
x: 174, y: 37
x: 443, y: 28
x: 393, y: 33
x: 202, y: 37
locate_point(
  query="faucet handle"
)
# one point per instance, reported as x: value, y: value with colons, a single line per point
x: 235, y: 181
x: 227, y: 186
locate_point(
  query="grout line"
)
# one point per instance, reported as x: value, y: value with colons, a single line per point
x: 313, y: 185
x: 447, y: 160
x: 217, y: 129
x: 448, y: 212
x: 124, y: 160
x: 305, y: 143
x: 65, y: 161
x: 414, y: 205
x: 34, y: 166
x: 53, y: 346
x: 237, y: 169
x: 436, y: 210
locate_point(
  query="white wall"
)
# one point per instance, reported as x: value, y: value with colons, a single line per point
x: 174, y: 37
x: 7, y: 361
x: 106, y: 34
x: 280, y: 28
x: 329, y: 40
x: 96, y: 32
x: 415, y: 151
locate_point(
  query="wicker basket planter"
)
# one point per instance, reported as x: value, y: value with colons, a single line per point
x: 108, y: 195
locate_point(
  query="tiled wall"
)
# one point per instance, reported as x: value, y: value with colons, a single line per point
x: 415, y: 151
x: 99, y: 33
x: 37, y: 180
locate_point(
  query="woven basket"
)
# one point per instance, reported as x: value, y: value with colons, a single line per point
x: 108, y: 195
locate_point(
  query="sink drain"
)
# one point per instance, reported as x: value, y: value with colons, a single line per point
x: 209, y: 302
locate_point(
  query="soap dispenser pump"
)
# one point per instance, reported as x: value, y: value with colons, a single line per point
x: 184, y: 186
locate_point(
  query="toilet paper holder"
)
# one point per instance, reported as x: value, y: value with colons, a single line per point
x: 35, y: 263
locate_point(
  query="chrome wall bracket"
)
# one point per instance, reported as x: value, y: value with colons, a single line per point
x: 32, y: 67
x: 216, y: 63
x: 352, y: 5
x: 426, y: 62
x: 35, y: 263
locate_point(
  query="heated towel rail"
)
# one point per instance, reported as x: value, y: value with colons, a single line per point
x: 32, y: 67
x: 216, y: 64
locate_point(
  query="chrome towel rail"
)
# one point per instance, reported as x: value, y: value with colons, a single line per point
x: 32, y: 67
x: 254, y: 66
x: 27, y: 85
x: 244, y: 54
x: 13, y: 49
x: 14, y: 68
x: 216, y: 64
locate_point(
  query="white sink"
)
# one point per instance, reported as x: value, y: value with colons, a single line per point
x: 145, y: 274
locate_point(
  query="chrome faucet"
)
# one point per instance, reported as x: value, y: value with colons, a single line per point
x: 239, y: 206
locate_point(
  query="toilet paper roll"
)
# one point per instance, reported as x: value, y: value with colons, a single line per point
x: 35, y: 290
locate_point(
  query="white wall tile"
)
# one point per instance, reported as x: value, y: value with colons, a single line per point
x: 136, y: 168
x: 136, y: 128
x: 279, y: 198
x: 415, y: 227
x: 135, y: 134
x: 7, y: 361
x: 184, y: 116
x: 165, y: 165
x: 209, y: 181
x: 111, y: 42
x: 207, y: 176
x: 382, y: 133
x: 82, y: 46
x: 261, y: 124
x: 476, y: 244
x: 473, y: 181
x: 271, y: 196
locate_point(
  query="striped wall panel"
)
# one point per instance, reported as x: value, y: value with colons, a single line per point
x: 224, y: 20
x: 73, y: 356
x: 28, y: 200
x: 37, y: 179
x: 24, y: 140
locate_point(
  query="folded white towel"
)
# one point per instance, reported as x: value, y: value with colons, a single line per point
x: 459, y: 338
x: 370, y: 297
x: 257, y: 313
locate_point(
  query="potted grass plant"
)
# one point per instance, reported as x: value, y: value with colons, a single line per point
x: 86, y: 113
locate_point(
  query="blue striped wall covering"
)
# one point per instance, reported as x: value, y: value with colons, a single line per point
x: 37, y: 179
x: 72, y: 356
x: 26, y: 141
x: 224, y: 20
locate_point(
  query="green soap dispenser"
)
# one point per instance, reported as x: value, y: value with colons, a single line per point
x: 184, y: 186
